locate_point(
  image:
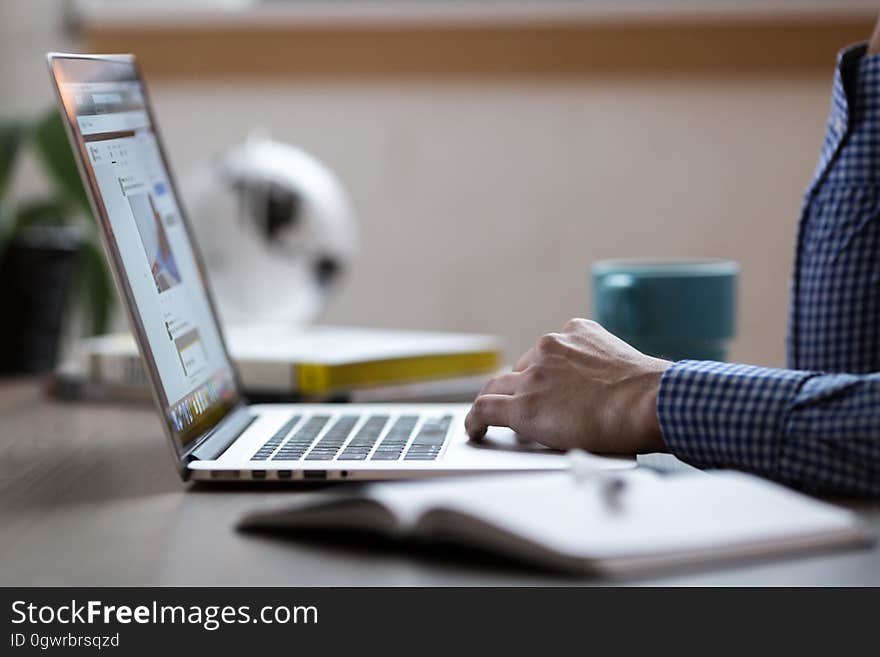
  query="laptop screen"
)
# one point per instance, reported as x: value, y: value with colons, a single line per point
x: 149, y: 242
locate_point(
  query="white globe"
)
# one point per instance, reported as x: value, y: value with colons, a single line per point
x: 277, y: 231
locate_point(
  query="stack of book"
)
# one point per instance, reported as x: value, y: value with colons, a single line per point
x: 277, y: 363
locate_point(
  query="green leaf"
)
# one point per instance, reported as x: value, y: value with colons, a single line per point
x: 12, y: 133
x: 7, y: 226
x: 97, y: 291
x: 95, y: 288
x: 93, y: 284
x: 41, y: 212
x: 53, y: 147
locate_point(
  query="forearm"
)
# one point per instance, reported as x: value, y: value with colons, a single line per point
x: 820, y: 432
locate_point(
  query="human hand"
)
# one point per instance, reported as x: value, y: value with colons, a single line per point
x: 581, y: 388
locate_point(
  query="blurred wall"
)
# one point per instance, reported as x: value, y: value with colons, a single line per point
x: 482, y: 205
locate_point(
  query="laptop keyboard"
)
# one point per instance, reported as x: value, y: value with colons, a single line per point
x: 395, y: 440
x: 272, y: 444
x: 302, y: 439
x: 326, y: 448
x: 429, y: 440
x: 364, y: 440
x: 405, y: 438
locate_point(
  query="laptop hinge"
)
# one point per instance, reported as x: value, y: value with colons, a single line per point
x: 222, y: 436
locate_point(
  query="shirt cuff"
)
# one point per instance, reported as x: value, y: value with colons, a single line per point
x: 727, y: 415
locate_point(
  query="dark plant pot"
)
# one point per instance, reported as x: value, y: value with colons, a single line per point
x: 36, y: 272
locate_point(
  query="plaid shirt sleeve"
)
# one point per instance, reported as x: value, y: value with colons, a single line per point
x: 819, y: 432
x: 817, y: 426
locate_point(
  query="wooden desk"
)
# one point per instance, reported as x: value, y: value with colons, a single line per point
x: 88, y: 496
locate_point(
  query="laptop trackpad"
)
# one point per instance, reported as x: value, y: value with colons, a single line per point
x: 501, y: 438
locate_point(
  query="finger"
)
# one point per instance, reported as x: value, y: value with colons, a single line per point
x: 488, y: 411
x: 525, y: 361
x: 503, y: 384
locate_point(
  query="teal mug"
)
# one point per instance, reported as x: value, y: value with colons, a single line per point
x: 673, y: 309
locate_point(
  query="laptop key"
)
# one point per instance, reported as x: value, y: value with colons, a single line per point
x: 385, y: 456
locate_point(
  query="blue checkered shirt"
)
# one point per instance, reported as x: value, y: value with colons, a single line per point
x: 815, y: 426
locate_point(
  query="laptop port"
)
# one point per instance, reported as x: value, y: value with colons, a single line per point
x: 315, y: 474
x: 258, y: 474
x: 224, y: 474
x: 284, y: 474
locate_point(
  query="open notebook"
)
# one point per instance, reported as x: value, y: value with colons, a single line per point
x: 644, y: 521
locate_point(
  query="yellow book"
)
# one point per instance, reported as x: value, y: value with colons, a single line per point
x: 321, y: 378
x: 318, y: 360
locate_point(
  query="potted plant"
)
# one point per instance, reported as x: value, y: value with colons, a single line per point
x: 49, y: 249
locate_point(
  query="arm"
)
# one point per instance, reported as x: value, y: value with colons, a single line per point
x: 814, y: 431
x: 584, y: 387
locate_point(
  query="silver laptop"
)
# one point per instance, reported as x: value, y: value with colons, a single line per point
x: 213, y: 433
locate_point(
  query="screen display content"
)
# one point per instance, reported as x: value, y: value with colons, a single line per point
x: 105, y: 104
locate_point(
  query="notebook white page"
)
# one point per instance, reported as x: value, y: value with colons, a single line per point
x: 655, y: 514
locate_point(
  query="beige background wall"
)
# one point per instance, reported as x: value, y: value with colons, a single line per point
x: 482, y: 204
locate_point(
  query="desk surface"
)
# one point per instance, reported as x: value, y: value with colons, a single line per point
x: 89, y: 496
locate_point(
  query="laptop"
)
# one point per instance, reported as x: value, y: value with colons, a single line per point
x: 213, y: 433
